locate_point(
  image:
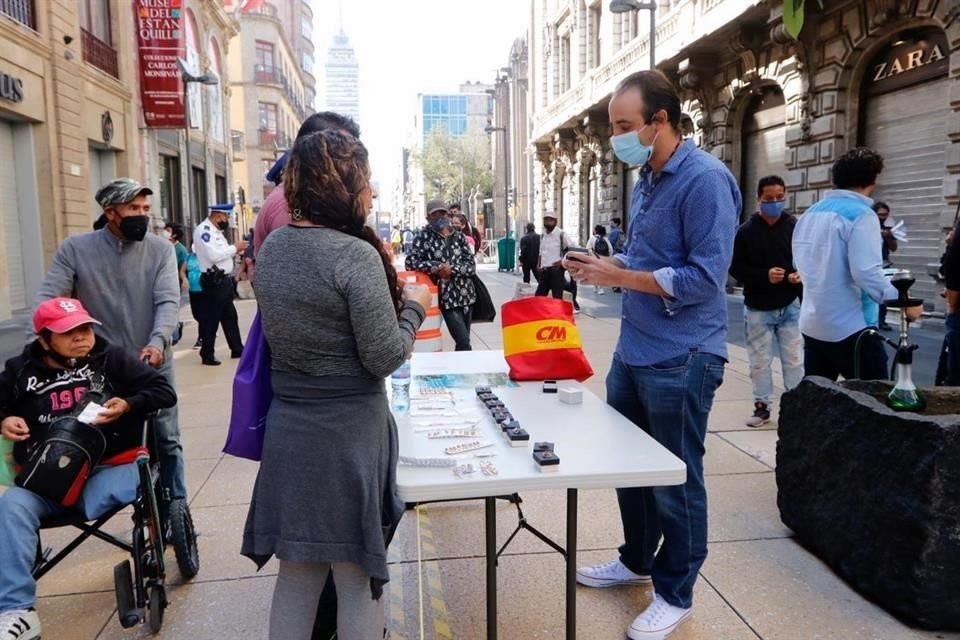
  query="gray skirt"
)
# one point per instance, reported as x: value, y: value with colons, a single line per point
x: 327, y: 486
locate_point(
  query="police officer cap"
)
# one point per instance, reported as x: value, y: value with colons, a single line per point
x: 226, y: 207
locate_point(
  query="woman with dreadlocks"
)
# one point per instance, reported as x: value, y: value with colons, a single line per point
x: 337, y: 323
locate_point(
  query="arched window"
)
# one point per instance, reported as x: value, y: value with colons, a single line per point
x: 194, y: 98
x: 215, y: 93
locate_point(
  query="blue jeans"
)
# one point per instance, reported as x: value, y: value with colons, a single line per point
x: 21, y: 512
x: 458, y: 324
x: 951, y: 351
x: 167, y: 427
x: 767, y: 333
x: 671, y: 401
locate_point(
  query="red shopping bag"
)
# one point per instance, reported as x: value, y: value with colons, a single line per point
x: 541, y: 341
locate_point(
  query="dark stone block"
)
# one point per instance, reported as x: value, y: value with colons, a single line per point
x: 876, y: 494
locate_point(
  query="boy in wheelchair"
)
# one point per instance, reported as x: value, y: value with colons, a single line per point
x: 49, y: 380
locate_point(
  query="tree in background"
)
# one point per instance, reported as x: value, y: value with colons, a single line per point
x: 441, y: 158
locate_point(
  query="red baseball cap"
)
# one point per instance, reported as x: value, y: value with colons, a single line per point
x: 60, y: 315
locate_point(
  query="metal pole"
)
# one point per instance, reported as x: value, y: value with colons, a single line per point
x: 571, y: 609
x: 491, y: 547
x: 506, y: 185
x: 189, y: 219
x: 462, y: 207
x: 653, y: 37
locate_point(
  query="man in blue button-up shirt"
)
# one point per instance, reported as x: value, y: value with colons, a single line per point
x: 672, y: 349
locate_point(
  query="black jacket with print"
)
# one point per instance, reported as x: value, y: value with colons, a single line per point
x: 430, y: 250
x: 31, y: 390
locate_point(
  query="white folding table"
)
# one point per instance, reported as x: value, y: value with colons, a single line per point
x: 598, y: 449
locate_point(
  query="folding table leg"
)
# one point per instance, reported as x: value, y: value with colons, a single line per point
x: 571, y: 564
x: 491, y: 536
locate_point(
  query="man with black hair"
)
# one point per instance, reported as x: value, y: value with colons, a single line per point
x: 837, y: 250
x: 763, y: 262
x: 888, y: 245
x: 672, y: 349
x: 274, y: 212
x: 530, y: 253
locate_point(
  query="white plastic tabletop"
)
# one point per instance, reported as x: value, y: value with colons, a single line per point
x: 598, y: 448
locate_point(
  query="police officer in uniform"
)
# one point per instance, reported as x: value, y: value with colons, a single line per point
x: 216, y: 257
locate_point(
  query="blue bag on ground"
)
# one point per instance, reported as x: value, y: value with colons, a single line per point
x: 252, y: 394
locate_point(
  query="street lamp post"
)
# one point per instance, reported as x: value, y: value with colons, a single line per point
x: 506, y: 179
x: 188, y: 78
x: 626, y: 6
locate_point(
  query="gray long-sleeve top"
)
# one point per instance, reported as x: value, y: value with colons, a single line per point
x: 326, y: 308
x: 133, y: 288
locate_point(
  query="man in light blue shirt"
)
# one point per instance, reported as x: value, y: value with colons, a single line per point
x: 837, y: 251
x: 672, y: 349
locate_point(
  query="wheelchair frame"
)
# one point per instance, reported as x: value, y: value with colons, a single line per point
x: 141, y: 593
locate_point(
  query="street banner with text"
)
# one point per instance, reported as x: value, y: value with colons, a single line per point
x: 160, y: 43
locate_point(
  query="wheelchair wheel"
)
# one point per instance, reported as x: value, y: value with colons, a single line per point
x: 183, y: 537
x: 156, y: 603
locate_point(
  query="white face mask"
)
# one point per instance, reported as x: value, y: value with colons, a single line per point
x: 166, y: 234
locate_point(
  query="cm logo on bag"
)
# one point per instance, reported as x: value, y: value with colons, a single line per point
x: 551, y: 334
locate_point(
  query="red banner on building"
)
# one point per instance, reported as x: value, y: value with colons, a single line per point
x: 160, y: 44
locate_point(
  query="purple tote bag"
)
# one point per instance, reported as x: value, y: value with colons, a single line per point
x: 252, y: 395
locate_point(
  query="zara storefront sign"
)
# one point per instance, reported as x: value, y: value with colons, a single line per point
x: 910, y: 62
x: 11, y: 88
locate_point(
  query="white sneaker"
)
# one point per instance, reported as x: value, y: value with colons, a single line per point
x: 657, y: 621
x: 20, y: 624
x: 610, y: 574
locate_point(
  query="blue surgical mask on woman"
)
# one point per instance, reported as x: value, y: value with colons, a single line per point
x: 772, y: 209
x: 629, y: 149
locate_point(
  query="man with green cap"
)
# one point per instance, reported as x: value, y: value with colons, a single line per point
x: 128, y: 279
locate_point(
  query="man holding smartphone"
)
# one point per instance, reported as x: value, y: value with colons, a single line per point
x: 670, y: 356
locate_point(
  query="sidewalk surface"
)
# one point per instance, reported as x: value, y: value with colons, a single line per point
x: 756, y: 583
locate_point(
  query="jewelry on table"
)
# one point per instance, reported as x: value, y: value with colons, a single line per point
x: 428, y: 462
x: 454, y: 433
x: 467, y: 446
x: 463, y: 470
x: 488, y: 469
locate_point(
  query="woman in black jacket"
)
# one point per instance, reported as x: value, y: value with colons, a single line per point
x: 49, y: 380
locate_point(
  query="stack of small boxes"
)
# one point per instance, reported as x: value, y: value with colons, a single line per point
x: 516, y: 435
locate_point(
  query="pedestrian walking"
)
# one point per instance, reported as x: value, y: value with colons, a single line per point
x: 195, y: 292
x: 173, y: 232
x: 530, y: 253
x: 443, y: 253
x: 553, y: 244
x: 599, y: 245
x: 462, y: 225
x: 763, y: 262
x: 837, y: 250
x: 888, y: 245
x: 127, y: 279
x: 325, y: 500
x: 216, y: 257
x: 672, y: 348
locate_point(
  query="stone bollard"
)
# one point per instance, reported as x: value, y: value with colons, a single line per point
x: 876, y: 494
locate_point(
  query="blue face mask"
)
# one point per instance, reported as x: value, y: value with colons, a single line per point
x: 441, y: 223
x: 630, y: 150
x: 772, y: 209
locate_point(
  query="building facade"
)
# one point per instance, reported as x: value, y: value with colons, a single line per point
x: 462, y: 115
x: 68, y: 122
x: 271, y: 95
x: 512, y: 160
x: 207, y: 29
x: 878, y: 74
x: 342, y: 78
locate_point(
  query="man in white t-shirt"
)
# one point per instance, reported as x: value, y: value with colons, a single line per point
x: 553, y: 244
